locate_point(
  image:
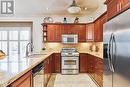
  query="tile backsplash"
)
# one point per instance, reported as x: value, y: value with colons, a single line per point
x: 79, y: 46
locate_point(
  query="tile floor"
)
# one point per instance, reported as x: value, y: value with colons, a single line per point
x: 81, y: 80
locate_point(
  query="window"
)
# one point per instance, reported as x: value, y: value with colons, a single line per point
x: 13, y: 40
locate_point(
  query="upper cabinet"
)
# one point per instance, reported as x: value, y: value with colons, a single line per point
x: 90, y: 32
x: 53, y: 32
x: 98, y: 28
x: 114, y: 7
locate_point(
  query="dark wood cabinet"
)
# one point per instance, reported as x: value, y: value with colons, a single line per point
x: 92, y: 65
x: 80, y: 30
x: 125, y: 3
x: 99, y: 71
x: 98, y: 28
x: 24, y: 81
x: 87, y: 63
x: 90, y: 32
x: 97, y: 31
x: 53, y: 32
x: 83, y: 63
x: 115, y: 7
x: 46, y: 71
x: 57, y: 63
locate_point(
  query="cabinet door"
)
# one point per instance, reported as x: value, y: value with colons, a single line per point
x: 83, y: 63
x: 45, y: 72
x: 90, y: 64
x: 65, y: 29
x: 81, y: 31
x: 99, y: 71
x: 53, y: 33
x: 98, y: 28
x: 57, y: 62
x: 113, y: 7
x: 90, y: 32
x: 78, y: 29
x: 125, y: 3
x: 97, y: 31
x: 24, y: 81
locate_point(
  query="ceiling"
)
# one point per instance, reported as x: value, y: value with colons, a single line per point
x: 54, y: 7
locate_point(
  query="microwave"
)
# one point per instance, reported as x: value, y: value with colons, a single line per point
x: 69, y: 38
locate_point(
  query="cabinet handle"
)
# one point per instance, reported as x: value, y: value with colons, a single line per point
x: 120, y: 5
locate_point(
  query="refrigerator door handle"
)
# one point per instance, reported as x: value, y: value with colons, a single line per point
x: 113, y: 54
x: 109, y: 54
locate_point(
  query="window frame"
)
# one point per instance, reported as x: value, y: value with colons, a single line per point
x: 18, y: 41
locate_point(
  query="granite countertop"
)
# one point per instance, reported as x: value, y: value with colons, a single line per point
x: 13, y: 67
x: 97, y: 54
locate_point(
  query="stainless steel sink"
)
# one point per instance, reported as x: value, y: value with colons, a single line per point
x: 35, y: 55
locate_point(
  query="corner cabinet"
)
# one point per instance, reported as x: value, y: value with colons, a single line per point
x: 24, y: 81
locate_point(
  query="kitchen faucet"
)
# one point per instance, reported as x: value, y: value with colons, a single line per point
x: 28, y: 49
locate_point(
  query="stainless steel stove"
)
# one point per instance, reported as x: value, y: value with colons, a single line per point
x: 70, y: 61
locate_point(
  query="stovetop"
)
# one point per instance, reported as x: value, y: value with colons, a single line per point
x: 69, y: 52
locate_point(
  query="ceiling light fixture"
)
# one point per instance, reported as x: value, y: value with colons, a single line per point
x: 74, y: 8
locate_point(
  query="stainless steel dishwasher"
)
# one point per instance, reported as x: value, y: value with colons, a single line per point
x: 38, y: 75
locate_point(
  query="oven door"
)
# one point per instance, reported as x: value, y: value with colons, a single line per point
x: 70, y: 63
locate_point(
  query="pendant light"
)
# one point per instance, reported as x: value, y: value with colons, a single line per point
x: 74, y: 8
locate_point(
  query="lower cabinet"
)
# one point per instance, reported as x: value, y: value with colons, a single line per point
x: 24, y: 81
x: 47, y: 69
x: 92, y: 65
x: 52, y: 64
x: 83, y: 63
x: 98, y: 76
x: 57, y: 62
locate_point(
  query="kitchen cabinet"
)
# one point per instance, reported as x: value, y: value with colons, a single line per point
x: 53, y: 32
x: 98, y: 28
x: 92, y: 65
x: 125, y: 3
x: 83, y: 63
x: 46, y: 71
x: 90, y: 32
x: 51, y: 65
x: 87, y: 63
x: 24, y: 81
x: 80, y: 30
x: 114, y: 7
x: 98, y: 76
x: 57, y: 62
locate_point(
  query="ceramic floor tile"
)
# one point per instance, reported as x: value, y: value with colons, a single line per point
x: 81, y: 80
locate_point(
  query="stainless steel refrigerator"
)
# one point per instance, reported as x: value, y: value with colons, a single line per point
x: 116, y: 38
